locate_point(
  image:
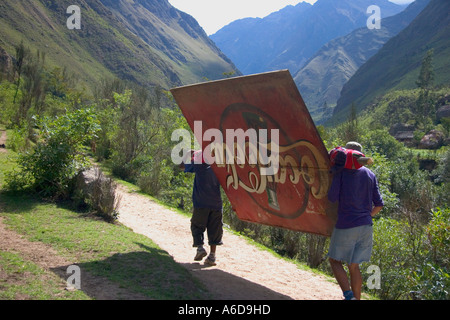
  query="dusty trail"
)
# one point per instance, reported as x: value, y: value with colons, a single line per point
x: 243, y: 272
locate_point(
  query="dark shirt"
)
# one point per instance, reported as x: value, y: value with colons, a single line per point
x: 357, y: 192
x: 206, y: 192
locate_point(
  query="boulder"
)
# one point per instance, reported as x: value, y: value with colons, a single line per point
x: 443, y: 112
x: 432, y: 140
x: 84, y: 183
x: 98, y: 192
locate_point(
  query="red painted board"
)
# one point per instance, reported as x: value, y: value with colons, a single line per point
x: 295, y: 197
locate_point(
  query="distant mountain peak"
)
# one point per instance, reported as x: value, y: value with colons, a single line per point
x: 321, y: 80
x: 396, y: 65
x: 289, y: 37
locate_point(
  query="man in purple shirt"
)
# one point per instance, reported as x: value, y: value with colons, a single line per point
x: 351, y: 242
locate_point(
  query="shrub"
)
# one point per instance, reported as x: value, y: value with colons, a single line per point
x: 390, y: 255
x: 382, y: 142
x: 57, y: 157
x: 413, y: 257
x: 17, y: 139
x: 439, y: 236
x: 430, y: 279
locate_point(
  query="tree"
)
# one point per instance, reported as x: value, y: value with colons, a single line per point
x: 34, y: 86
x: 426, y: 76
x: 350, y: 129
x: 425, y: 83
x: 21, y: 53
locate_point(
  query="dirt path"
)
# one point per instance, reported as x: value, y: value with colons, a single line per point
x: 2, y: 141
x: 243, y: 272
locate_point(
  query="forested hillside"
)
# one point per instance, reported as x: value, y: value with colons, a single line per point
x: 148, y: 43
x: 321, y: 80
x: 400, y: 59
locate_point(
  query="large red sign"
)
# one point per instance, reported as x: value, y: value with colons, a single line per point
x: 295, y: 195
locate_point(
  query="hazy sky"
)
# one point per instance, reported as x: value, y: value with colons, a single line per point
x: 212, y: 15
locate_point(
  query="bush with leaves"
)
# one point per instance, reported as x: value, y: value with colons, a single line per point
x: 390, y: 253
x: 381, y: 141
x: 438, y: 230
x: 58, y: 155
x: 413, y: 186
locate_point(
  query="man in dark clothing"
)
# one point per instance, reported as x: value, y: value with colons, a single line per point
x: 351, y: 242
x: 207, y: 201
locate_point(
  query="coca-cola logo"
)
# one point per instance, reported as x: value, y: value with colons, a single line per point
x: 301, y: 168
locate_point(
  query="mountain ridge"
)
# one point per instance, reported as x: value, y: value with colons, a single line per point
x: 109, y: 44
x: 289, y: 44
x: 400, y: 59
x: 321, y: 79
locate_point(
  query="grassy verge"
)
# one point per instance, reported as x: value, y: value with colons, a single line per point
x: 21, y: 279
x: 113, y: 251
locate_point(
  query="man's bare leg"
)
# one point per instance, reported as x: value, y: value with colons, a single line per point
x: 340, y: 274
x: 355, y: 280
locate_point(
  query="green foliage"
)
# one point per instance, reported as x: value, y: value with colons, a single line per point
x: 414, y: 265
x: 7, y: 109
x: 18, y: 139
x: 381, y: 141
x: 383, y: 170
x: 413, y: 186
x: 415, y: 107
x: 439, y: 236
x: 441, y: 178
x: 57, y: 157
x: 351, y: 129
x: 390, y: 256
x: 426, y: 76
x: 394, y: 107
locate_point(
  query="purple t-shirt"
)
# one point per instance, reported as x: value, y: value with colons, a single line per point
x: 357, y: 192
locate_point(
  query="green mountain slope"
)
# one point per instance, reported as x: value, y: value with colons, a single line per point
x: 397, y: 64
x: 321, y: 80
x: 111, y: 40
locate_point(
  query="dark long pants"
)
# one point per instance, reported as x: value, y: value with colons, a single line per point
x: 209, y: 220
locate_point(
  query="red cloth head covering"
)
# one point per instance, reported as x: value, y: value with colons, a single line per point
x: 351, y: 157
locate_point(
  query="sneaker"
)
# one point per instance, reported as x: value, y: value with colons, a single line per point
x: 201, y: 253
x: 348, y: 295
x: 211, y: 261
